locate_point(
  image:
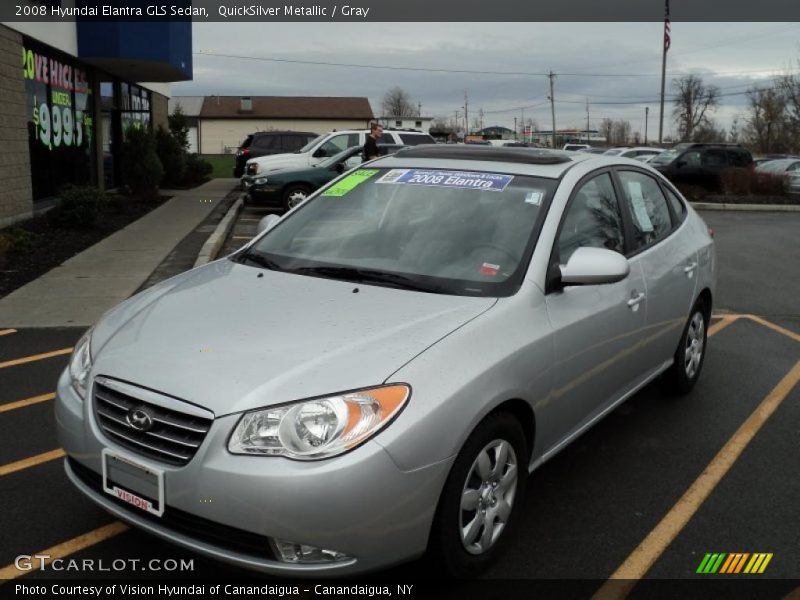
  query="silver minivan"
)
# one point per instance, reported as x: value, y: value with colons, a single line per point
x: 377, y: 373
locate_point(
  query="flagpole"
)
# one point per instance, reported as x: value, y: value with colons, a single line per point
x: 665, y: 47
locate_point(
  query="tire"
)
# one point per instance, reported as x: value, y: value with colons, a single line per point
x: 294, y: 195
x: 463, y: 555
x: 691, y: 352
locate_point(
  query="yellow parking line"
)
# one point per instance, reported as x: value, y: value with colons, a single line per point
x: 35, y: 357
x: 645, y: 555
x: 72, y: 546
x: 7, y: 331
x: 29, y: 462
x: 27, y: 402
x: 722, y: 324
x: 774, y: 327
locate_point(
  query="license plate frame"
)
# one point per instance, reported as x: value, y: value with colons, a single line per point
x: 132, y: 482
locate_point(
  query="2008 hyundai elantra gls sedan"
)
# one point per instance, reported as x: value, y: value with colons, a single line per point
x: 377, y: 372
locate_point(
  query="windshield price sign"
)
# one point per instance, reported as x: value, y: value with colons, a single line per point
x: 492, y: 182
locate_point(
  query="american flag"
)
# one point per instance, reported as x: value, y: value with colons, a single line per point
x: 666, y: 26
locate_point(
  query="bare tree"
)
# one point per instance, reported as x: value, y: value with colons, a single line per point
x: 768, y: 125
x: 694, y: 102
x: 708, y: 132
x: 397, y: 102
x: 607, y: 130
x: 733, y: 134
x: 621, y: 131
x: 789, y: 87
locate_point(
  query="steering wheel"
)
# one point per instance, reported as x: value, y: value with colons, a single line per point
x: 497, y: 247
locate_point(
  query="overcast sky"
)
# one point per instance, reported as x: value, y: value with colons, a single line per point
x: 732, y: 56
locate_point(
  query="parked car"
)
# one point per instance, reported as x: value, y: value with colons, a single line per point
x: 380, y: 369
x: 574, y: 147
x: 594, y: 150
x: 289, y: 187
x: 701, y: 164
x: 267, y: 143
x: 330, y: 144
x: 786, y: 169
x: 646, y: 158
x: 759, y: 160
x: 636, y: 152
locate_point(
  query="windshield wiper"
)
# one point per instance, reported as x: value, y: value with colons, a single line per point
x: 369, y: 276
x: 259, y: 260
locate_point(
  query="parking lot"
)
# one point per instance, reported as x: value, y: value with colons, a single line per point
x: 649, y: 491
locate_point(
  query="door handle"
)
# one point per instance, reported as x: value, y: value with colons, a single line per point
x: 635, y: 298
x: 690, y: 267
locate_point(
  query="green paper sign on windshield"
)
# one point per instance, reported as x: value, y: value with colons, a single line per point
x: 346, y: 185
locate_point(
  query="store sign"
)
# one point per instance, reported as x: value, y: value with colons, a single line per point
x: 59, y: 98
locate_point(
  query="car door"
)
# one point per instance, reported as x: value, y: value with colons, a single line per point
x: 688, y: 168
x: 714, y: 161
x: 596, y: 328
x: 668, y: 256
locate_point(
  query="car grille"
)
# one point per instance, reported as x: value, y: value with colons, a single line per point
x: 173, y: 438
x: 184, y: 523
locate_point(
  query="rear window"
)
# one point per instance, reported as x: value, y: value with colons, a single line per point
x: 247, y: 141
x: 267, y: 142
x: 412, y: 139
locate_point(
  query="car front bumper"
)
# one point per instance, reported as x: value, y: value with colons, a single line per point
x: 360, y: 503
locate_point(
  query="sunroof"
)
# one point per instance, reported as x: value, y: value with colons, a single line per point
x: 531, y: 156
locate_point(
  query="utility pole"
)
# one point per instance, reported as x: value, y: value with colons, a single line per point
x: 480, y: 115
x: 552, y: 76
x: 587, y: 121
x: 466, y: 115
x: 522, y: 122
x: 516, y: 136
x: 646, y: 118
x: 419, y: 109
x: 455, y: 125
x: 667, y: 42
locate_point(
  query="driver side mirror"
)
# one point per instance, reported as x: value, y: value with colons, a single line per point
x: 320, y: 153
x: 267, y: 223
x: 594, y: 266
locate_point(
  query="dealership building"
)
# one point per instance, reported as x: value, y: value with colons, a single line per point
x: 68, y: 91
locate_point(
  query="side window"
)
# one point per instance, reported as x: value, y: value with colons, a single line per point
x: 292, y: 142
x: 265, y: 142
x: 338, y: 143
x: 648, y: 207
x: 386, y: 138
x: 794, y: 167
x: 678, y: 207
x: 737, y: 158
x: 411, y: 139
x: 714, y: 158
x: 593, y: 219
x: 690, y: 159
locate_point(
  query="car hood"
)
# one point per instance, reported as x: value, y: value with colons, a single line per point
x: 230, y: 337
x: 281, y: 161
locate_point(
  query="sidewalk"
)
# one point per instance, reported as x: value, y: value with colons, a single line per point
x: 80, y: 290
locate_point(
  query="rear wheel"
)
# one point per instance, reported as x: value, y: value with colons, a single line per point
x: 685, y: 370
x: 294, y: 195
x: 481, y: 497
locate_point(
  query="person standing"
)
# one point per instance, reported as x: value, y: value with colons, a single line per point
x: 371, y: 145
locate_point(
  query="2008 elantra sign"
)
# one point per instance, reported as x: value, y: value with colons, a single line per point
x: 493, y: 182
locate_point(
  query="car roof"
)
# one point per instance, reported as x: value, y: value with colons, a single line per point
x: 522, y: 161
x: 287, y: 132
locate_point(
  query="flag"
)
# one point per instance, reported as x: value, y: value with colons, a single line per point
x: 667, y: 39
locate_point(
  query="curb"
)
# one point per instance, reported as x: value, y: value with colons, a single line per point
x: 214, y: 242
x: 746, y: 207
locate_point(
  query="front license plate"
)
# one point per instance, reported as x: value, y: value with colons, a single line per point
x: 131, y: 482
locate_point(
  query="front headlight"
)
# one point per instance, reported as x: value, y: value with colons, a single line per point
x: 80, y: 363
x: 260, y: 181
x: 320, y: 427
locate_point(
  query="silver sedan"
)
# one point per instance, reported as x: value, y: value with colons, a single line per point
x: 377, y: 373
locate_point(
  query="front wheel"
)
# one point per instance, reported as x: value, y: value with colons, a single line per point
x: 481, y: 497
x: 294, y: 195
x: 685, y: 370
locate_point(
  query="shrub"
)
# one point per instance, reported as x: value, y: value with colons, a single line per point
x: 179, y: 127
x: 142, y: 170
x: 768, y: 184
x: 80, y: 206
x: 737, y: 181
x: 16, y: 240
x: 172, y: 157
x: 197, y: 170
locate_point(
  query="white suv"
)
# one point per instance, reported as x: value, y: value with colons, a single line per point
x: 329, y: 144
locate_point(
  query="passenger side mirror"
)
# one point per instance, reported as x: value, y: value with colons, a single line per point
x: 267, y: 222
x: 594, y: 266
x: 320, y: 153
x: 340, y: 167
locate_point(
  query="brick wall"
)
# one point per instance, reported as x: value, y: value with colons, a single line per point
x: 160, y: 106
x: 16, y: 197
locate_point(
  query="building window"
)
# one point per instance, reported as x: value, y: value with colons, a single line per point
x: 418, y: 124
x: 398, y: 123
x: 135, y: 102
x: 60, y: 114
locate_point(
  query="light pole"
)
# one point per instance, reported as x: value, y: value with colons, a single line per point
x: 646, y: 116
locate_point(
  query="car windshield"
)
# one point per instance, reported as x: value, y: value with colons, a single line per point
x: 665, y: 157
x: 309, y: 145
x: 443, y: 231
x: 339, y: 157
